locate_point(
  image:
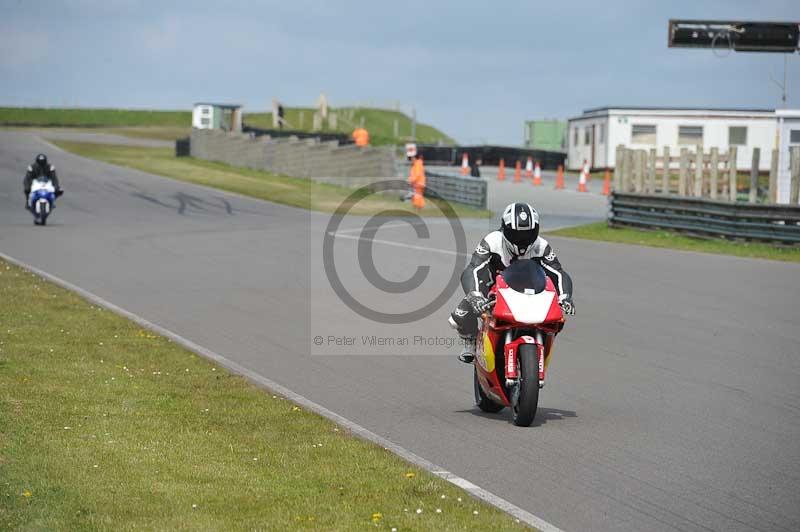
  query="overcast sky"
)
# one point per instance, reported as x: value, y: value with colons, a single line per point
x: 475, y: 69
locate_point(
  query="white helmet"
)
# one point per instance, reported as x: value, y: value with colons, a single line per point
x: 520, y: 226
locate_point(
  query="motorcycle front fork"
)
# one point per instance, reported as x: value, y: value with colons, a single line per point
x: 513, y: 384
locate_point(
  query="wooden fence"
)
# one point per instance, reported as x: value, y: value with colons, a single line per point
x: 699, y: 174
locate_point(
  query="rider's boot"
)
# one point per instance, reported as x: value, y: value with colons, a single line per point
x: 468, y: 353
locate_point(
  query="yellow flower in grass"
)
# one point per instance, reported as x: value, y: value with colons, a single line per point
x: 377, y: 516
x: 26, y: 493
x: 411, y: 474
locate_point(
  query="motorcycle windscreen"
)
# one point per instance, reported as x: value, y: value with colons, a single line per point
x: 525, y: 276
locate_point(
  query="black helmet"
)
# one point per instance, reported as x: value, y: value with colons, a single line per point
x: 41, y: 160
x: 520, y: 226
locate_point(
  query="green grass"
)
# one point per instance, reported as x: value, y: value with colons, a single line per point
x: 292, y: 191
x: 50, y: 117
x: 104, y: 425
x: 379, y: 123
x: 665, y: 239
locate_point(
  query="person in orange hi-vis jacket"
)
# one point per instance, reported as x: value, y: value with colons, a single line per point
x: 417, y: 182
x: 361, y: 136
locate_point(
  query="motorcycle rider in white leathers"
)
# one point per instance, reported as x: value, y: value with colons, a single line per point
x: 517, y: 238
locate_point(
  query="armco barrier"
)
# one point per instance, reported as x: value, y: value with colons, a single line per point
x: 708, y: 218
x: 466, y: 190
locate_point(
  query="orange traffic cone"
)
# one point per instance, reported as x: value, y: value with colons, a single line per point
x: 464, y: 164
x: 537, y: 174
x: 560, y: 177
x: 501, y: 170
x: 518, y: 172
x: 529, y: 167
x: 583, y: 178
x: 607, y: 183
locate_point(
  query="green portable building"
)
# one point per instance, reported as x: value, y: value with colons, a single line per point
x: 550, y: 135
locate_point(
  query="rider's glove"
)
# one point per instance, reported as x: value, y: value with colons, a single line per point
x: 479, y: 302
x: 567, y: 306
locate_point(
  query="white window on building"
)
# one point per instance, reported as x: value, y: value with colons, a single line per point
x: 205, y: 110
x: 643, y: 134
x: 794, y: 136
x: 690, y: 135
x: 587, y: 136
x: 575, y: 136
x: 737, y: 136
x: 205, y: 121
x: 602, y: 138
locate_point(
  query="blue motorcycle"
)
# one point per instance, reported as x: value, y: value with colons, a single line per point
x: 42, y: 199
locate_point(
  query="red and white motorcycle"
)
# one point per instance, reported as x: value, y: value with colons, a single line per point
x: 515, y: 341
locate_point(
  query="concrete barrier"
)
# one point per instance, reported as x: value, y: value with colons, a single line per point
x: 308, y: 158
x: 325, y: 162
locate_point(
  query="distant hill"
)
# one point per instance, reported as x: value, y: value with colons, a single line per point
x: 379, y: 122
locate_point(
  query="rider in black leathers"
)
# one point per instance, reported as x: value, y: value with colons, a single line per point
x: 40, y: 167
x: 517, y: 238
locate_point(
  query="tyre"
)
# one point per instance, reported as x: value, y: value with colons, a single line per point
x: 483, y: 402
x: 525, y: 409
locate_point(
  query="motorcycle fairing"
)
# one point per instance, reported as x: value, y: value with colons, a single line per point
x: 486, y: 353
x: 526, y: 307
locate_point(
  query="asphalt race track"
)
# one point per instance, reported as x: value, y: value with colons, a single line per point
x: 672, y: 403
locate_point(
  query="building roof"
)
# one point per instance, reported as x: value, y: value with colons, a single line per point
x: 693, y: 109
x: 222, y: 105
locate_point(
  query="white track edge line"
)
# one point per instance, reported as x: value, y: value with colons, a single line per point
x: 402, y: 452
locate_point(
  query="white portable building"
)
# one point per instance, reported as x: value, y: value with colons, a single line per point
x: 594, y: 136
x: 217, y: 116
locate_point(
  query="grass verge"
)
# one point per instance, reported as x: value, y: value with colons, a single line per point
x: 379, y: 122
x: 665, y: 239
x: 104, y: 425
x: 292, y: 191
x: 44, y: 116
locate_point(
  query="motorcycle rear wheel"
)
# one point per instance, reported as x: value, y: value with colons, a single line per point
x: 481, y: 400
x: 525, y: 409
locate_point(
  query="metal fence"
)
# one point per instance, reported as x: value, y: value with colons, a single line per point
x: 707, y: 218
x: 469, y: 191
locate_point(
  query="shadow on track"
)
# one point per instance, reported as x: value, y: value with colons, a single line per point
x: 543, y: 415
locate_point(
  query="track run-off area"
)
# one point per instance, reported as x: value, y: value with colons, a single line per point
x: 672, y: 400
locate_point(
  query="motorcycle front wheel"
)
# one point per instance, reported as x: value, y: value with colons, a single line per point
x: 525, y: 410
x: 481, y: 400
